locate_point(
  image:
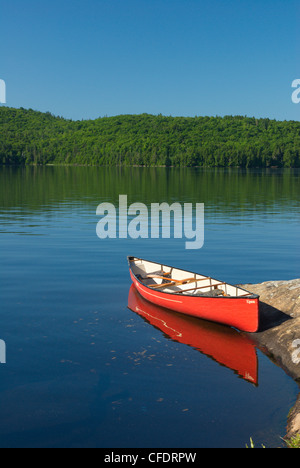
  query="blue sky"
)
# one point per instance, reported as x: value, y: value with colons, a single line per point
x: 89, y: 58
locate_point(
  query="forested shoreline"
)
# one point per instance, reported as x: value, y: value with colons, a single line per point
x: 30, y: 137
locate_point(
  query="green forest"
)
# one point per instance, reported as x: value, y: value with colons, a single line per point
x: 29, y: 137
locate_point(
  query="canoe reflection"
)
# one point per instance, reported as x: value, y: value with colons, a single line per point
x: 225, y: 345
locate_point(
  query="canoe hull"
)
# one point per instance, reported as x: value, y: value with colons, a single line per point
x: 225, y: 345
x: 241, y: 313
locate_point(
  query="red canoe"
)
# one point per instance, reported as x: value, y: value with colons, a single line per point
x: 227, y: 346
x: 195, y: 295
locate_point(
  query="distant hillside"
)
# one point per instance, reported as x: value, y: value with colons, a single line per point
x: 30, y: 137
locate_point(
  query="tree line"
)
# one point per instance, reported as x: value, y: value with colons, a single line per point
x: 29, y: 137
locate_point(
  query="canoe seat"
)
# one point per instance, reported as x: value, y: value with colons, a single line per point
x: 153, y: 274
x: 148, y: 279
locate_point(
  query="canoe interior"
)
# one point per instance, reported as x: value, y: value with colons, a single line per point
x: 161, y: 278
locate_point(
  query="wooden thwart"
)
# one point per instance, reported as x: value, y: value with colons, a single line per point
x: 173, y: 281
x: 161, y: 286
x: 202, y: 287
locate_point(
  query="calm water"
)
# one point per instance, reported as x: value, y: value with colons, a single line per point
x: 82, y: 368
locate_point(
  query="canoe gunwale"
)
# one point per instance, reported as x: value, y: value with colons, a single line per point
x: 249, y: 296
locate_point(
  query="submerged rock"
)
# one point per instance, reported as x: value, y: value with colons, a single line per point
x: 279, y: 333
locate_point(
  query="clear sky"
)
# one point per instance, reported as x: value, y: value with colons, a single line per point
x: 88, y: 58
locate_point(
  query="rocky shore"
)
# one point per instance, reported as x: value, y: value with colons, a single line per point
x: 279, y: 333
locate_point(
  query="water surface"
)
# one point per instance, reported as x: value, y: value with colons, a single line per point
x: 82, y: 368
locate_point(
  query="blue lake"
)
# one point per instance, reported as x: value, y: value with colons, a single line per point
x: 83, y: 370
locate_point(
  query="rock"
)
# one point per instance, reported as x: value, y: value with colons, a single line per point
x: 283, y: 295
x: 279, y: 333
x: 293, y: 425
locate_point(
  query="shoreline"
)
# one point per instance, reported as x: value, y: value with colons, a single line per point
x: 279, y: 334
x: 244, y: 168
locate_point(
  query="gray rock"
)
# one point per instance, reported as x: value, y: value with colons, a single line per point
x: 279, y: 333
